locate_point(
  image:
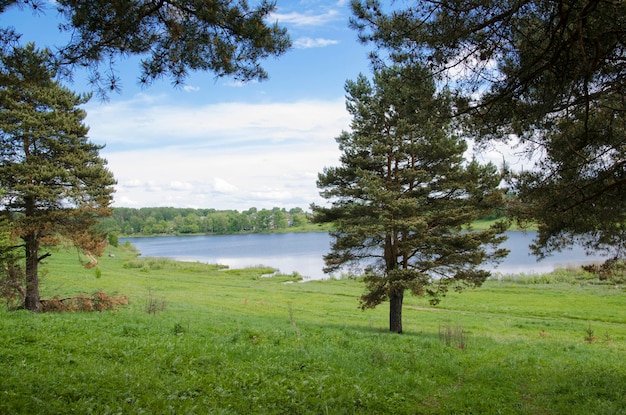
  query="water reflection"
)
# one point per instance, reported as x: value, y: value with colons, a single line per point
x: 303, y: 252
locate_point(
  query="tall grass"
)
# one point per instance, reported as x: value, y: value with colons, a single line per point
x: 230, y: 342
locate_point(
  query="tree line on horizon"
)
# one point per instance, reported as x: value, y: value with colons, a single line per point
x: 185, y: 221
x: 151, y: 221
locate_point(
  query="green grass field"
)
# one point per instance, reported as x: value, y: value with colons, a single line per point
x: 233, y: 342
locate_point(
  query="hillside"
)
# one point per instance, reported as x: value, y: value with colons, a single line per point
x: 198, y: 339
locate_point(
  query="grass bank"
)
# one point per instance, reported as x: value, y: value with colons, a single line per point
x: 197, y: 339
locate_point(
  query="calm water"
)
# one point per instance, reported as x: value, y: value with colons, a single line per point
x: 303, y: 252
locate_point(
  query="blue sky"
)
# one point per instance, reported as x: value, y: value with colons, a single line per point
x: 216, y: 143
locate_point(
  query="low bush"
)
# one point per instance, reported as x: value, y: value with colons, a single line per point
x: 612, y: 270
x: 98, y: 301
x: 154, y: 304
x: 574, y: 276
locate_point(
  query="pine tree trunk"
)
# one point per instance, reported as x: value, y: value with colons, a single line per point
x: 31, y: 300
x: 395, y: 310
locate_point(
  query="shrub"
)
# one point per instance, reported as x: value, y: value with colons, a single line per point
x: 574, y: 276
x: 154, y: 304
x: 113, y: 239
x: 613, y: 270
x: 98, y: 301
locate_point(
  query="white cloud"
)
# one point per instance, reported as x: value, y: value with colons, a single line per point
x: 512, y: 153
x: 180, y: 186
x: 306, y: 19
x: 134, y: 183
x: 141, y: 124
x: 190, y: 88
x: 126, y: 202
x: 272, y: 194
x: 307, y: 42
x: 222, y: 186
x: 225, y: 179
x: 153, y: 186
x: 239, y: 83
x: 223, y: 156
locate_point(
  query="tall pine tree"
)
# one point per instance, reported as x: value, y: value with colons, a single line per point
x: 54, y: 182
x: 404, y: 196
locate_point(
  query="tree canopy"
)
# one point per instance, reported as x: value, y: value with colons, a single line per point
x: 172, y: 37
x: 54, y: 183
x: 549, y: 73
x: 403, y: 197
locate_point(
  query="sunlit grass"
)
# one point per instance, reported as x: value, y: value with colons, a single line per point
x: 235, y: 342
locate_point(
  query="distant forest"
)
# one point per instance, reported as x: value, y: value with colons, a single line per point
x: 183, y: 221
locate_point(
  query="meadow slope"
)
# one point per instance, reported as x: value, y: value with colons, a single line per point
x: 197, y: 339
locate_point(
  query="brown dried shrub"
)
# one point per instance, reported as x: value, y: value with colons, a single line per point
x: 98, y: 301
x: 613, y: 270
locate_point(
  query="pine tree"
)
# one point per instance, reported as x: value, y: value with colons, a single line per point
x: 403, y: 197
x: 54, y: 182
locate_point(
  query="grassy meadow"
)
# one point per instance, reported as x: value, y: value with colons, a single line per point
x: 197, y: 339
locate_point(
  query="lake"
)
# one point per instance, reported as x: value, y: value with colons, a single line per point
x: 303, y: 252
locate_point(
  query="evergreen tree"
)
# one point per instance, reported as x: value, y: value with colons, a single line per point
x: 172, y: 37
x: 54, y: 182
x: 404, y: 196
x: 549, y: 73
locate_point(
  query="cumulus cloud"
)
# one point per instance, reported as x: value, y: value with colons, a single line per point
x: 140, y: 124
x: 180, y: 186
x: 307, y: 42
x: 236, y: 83
x: 306, y: 19
x: 126, y: 201
x: 190, y: 88
x: 153, y: 186
x: 271, y: 194
x: 222, y: 186
x: 223, y: 156
x: 134, y: 183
